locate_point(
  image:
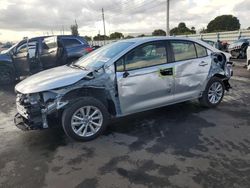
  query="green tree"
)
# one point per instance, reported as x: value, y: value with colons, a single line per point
x: 74, y: 29
x: 88, y: 38
x: 101, y: 37
x: 193, y: 30
x: 248, y: 28
x: 223, y: 23
x: 159, y: 32
x: 203, y: 30
x: 182, y: 29
x: 142, y: 35
x: 116, y: 35
x: 129, y: 37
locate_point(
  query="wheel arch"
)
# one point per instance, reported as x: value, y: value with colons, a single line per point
x: 98, y: 93
x: 224, y: 79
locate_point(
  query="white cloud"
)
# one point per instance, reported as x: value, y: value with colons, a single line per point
x: 36, y: 17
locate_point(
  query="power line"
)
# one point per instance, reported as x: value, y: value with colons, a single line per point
x: 130, y: 5
x: 137, y: 8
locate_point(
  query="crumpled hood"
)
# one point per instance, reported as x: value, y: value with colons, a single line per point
x: 51, y: 79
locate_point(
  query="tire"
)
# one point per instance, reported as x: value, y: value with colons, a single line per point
x: 6, y: 75
x: 75, y: 113
x: 207, y: 100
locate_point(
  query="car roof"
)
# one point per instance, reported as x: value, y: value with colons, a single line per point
x: 142, y: 40
x: 148, y: 39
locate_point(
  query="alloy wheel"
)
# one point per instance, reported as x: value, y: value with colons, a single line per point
x: 86, y: 121
x: 215, y: 92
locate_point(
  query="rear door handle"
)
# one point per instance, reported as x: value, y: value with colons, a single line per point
x: 166, y: 72
x: 203, y: 63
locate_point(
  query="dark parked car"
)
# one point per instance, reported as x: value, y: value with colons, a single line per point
x: 238, y: 49
x: 30, y: 56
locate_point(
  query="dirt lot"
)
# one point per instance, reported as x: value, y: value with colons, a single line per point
x: 182, y: 145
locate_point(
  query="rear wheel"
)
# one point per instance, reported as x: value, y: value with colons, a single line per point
x: 213, y: 94
x: 85, y: 119
x: 6, y: 75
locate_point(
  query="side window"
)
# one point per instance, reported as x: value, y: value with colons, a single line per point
x: 201, y: 51
x: 146, y: 56
x: 120, y: 65
x: 22, y: 49
x: 183, y: 50
x: 71, y: 42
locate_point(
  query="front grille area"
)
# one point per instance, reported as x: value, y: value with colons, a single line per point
x: 29, y: 107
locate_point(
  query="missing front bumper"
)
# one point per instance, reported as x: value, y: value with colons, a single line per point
x: 25, y: 124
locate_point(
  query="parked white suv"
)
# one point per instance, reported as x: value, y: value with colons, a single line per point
x: 248, y: 57
x: 122, y: 78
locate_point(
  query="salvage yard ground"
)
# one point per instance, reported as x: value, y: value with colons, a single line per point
x: 182, y: 145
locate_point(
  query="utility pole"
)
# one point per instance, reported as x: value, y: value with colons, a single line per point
x: 167, y: 17
x: 76, y: 23
x: 103, y: 19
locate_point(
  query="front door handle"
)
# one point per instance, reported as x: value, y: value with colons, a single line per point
x: 203, y: 63
x: 166, y: 72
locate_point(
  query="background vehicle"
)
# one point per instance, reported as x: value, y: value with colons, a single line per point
x: 238, y: 48
x: 33, y: 55
x: 212, y: 43
x: 122, y: 78
x: 248, y: 57
x: 221, y: 45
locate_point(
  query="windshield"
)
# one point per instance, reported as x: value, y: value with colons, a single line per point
x: 10, y: 49
x: 99, y: 57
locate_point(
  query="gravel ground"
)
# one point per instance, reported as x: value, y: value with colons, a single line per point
x: 183, y: 145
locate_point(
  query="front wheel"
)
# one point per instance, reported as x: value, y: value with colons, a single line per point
x: 85, y: 119
x: 213, y: 94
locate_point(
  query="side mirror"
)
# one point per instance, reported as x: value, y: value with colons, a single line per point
x: 125, y: 74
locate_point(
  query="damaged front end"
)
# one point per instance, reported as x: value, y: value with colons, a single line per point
x: 34, y: 109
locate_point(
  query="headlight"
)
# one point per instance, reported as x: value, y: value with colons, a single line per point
x: 32, y: 98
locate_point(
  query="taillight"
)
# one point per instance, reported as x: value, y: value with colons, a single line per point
x: 88, y: 49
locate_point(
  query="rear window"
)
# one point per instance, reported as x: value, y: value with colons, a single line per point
x: 201, y: 51
x: 183, y: 50
x: 71, y: 42
x: 49, y: 43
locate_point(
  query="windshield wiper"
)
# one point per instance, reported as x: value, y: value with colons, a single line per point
x: 78, y: 66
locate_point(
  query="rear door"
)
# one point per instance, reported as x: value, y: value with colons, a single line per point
x: 192, y: 65
x: 48, y: 55
x: 144, y: 78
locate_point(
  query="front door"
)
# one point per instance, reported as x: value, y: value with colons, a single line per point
x: 20, y: 59
x: 144, y: 78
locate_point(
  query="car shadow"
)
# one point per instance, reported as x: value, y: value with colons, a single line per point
x: 176, y: 126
